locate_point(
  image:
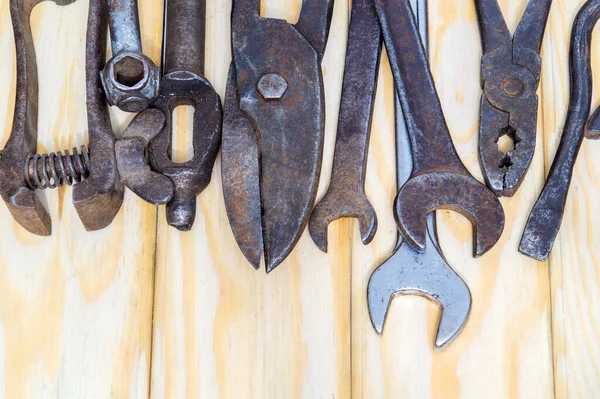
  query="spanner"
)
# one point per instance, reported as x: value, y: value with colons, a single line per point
x: 408, y: 271
x: 98, y: 193
x: 346, y: 194
x: 183, y: 83
x: 130, y: 78
x: 439, y: 180
x: 546, y: 217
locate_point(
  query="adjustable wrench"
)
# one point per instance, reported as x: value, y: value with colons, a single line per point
x: 182, y: 83
x: 546, y: 217
x: 98, y: 193
x: 130, y: 78
x: 439, y: 180
x: 408, y: 271
x: 346, y: 194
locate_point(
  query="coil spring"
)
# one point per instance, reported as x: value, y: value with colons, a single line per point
x: 52, y: 170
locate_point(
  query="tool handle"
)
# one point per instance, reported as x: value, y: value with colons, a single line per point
x: 315, y: 20
x: 430, y: 137
x: 492, y: 26
x: 547, y: 214
x: 124, y: 25
x: 530, y: 32
x: 185, y: 36
x: 358, y: 96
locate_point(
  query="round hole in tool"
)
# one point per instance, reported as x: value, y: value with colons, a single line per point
x: 129, y: 71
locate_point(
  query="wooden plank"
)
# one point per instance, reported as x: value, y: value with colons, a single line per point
x: 223, y: 329
x: 576, y: 257
x: 75, y: 308
x: 505, y: 349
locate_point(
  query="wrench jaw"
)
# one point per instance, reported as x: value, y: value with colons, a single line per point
x: 337, y: 205
x: 427, y: 274
x: 428, y: 192
x: 27, y: 209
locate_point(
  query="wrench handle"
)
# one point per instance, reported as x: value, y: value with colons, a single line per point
x: 430, y: 137
x: 124, y: 25
x: 185, y: 36
x: 358, y: 97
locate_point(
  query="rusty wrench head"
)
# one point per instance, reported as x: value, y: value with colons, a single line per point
x: 346, y: 194
x: 510, y: 75
x: 418, y: 273
x: 274, y: 127
x: 98, y: 198
x: 439, y: 179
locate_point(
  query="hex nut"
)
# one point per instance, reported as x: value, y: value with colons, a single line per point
x: 272, y: 86
x: 130, y: 81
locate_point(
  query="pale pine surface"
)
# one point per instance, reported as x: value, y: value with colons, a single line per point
x: 83, y: 315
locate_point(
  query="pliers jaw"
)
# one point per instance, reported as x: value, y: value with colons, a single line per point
x: 510, y: 75
x: 508, y: 112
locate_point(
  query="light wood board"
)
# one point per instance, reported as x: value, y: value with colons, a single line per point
x: 140, y: 310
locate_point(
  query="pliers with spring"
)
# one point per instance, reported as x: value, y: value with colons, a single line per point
x: 510, y: 75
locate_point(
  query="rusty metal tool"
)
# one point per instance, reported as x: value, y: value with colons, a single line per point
x: 130, y: 78
x: 346, y: 194
x: 411, y: 272
x: 273, y: 127
x: 97, y: 192
x: 439, y: 180
x: 183, y: 83
x: 547, y: 214
x: 510, y: 76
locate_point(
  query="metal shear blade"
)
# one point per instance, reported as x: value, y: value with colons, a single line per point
x: 274, y: 127
x: 510, y: 75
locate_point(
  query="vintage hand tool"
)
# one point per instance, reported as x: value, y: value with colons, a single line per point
x: 510, y: 75
x: 130, y: 78
x: 546, y: 217
x: 183, y: 83
x: 273, y: 127
x: 346, y: 194
x: 408, y: 271
x: 98, y: 193
x: 439, y: 180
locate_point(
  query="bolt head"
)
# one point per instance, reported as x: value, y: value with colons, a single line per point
x: 272, y: 86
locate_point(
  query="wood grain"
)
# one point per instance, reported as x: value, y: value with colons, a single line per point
x: 576, y: 257
x: 140, y: 310
x: 75, y: 308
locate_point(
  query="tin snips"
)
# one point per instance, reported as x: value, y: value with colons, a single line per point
x: 273, y: 127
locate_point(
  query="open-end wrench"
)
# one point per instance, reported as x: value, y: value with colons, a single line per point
x: 547, y: 214
x: 346, y: 194
x: 510, y: 75
x: 439, y: 180
x: 182, y: 83
x: 411, y: 272
x: 98, y: 192
x: 273, y: 127
x: 130, y: 78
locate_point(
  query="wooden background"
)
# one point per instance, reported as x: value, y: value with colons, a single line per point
x: 140, y: 310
